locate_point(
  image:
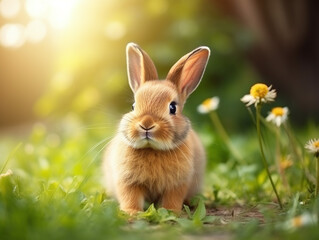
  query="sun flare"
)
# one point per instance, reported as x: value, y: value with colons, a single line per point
x: 43, y: 16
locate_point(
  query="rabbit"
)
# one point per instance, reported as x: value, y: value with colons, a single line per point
x: 156, y: 156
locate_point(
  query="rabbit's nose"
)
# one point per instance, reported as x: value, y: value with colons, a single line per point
x: 147, y: 123
x: 146, y: 129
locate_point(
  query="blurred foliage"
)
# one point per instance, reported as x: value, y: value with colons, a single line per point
x: 90, y: 55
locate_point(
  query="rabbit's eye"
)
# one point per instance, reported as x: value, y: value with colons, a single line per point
x: 133, y: 106
x: 172, y: 108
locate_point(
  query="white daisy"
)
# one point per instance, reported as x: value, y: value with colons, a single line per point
x: 210, y: 104
x: 259, y: 93
x: 313, y: 146
x: 278, y: 115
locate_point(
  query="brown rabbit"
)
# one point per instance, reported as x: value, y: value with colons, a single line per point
x: 156, y: 155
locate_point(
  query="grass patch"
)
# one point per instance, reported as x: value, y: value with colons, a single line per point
x: 54, y: 191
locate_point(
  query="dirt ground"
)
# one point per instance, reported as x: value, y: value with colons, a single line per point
x: 237, y: 214
x: 226, y: 215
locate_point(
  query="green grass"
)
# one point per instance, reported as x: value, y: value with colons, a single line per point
x: 55, y: 190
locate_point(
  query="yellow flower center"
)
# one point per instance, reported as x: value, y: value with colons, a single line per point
x: 207, y: 103
x: 316, y: 144
x: 278, y: 111
x: 259, y: 90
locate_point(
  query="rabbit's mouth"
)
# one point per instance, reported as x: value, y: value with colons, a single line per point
x: 148, y: 135
x: 146, y: 142
x: 147, y: 139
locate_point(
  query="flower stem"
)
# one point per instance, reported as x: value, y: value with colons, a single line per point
x: 258, y: 109
x: 297, y: 154
x: 281, y: 170
x: 223, y: 134
x: 317, y: 175
x: 296, y: 149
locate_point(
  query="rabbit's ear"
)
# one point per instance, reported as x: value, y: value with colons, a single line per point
x: 140, y: 67
x: 187, y: 73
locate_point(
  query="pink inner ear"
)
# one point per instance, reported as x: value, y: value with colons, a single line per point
x: 134, y: 68
x: 140, y: 67
x: 187, y: 72
x: 192, y: 72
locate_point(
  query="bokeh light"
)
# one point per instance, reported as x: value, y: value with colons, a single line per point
x: 36, y: 8
x: 9, y: 8
x: 44, y: 16
x: 12, y: 35
x: 61, y: 12
x: 115, y: 30
x: 35, y: 31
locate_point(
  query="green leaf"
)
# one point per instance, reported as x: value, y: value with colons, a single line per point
x: 150, y: 214
x: 188, y: 211
x: 162, y: 212
x: 200, y: 211
x: 185, y: 223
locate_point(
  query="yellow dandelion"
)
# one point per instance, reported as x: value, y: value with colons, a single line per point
x: 210, y: 104
x: 278, y: 115
x: 313, y: 146
x: 259, y: 93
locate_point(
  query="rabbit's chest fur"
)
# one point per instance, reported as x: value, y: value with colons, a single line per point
x: 156, y: 170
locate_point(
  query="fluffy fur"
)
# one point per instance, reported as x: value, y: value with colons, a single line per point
x: 156, y: 155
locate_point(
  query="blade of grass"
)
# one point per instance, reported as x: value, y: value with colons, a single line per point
x: 10, y: 157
